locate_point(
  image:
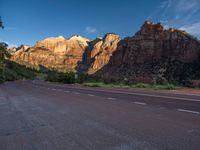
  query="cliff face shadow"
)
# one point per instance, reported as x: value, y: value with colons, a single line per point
x: 169, y: 68
x: 84, y: 64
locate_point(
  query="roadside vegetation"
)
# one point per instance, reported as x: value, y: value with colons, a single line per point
x: 91, y: 81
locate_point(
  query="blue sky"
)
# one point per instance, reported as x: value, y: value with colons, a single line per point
x: 28, y: 21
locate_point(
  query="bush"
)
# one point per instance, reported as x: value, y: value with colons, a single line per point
x: 140, y: 85
x: 54, y: 76
x: 1, y: 76
x: 20, y: 71
x: 10, y: 75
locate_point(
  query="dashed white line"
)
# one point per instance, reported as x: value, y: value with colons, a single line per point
x: 111, y: 98
x: 90, y: 95
x: 139, y: 103
x: 77, y: 93
x: 143, y: 94
x: 189, y: 111
x: 66, y: 91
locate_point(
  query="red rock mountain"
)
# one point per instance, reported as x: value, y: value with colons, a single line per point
x: 153, y: 54
x: 54, y: 53
x: 98, y: 53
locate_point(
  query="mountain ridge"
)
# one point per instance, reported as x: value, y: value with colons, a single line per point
x: 132, y: 58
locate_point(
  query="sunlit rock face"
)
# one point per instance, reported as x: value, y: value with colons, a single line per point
x: 155, y: 54
x: 54, y: 53
x: 98, y: 53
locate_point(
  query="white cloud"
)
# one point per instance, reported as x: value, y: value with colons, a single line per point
x: 183, y: 14
x: 90, y: 30
x: 192, y: 28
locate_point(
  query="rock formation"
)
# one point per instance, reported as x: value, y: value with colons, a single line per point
x: 54, y: 53
x: 98, y: 53
x: 153, y: 54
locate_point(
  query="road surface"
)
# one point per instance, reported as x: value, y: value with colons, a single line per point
x: 36, y: 115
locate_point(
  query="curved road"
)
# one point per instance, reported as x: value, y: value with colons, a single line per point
x: 36, y: 115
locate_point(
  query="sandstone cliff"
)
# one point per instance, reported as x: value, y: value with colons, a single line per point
x: 98, y: 53
x: 54, y: 53
x: 155, y: 54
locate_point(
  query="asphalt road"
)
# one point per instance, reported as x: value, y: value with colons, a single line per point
x: 47, y: 116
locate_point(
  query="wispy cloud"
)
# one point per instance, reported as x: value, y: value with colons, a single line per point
x: 90, y: 30
x: 184, y: 14
x: 192, y: 28
x: 187, y: 5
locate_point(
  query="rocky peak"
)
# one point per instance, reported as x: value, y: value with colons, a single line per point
x: 153, y: 53
x: 149, y: 28
x: 23, y: 48
x: 52, y: 39
x: 50, y: 43
x: 80, y: 40
x: 110, y: 41
x: 99, y: 52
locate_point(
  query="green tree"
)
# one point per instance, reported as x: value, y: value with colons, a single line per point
x: 3, y: 51
x: 3, y: 56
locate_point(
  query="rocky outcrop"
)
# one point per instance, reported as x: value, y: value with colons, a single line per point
x: 20, y: 48
x: 23, y: 48
x: 155, y: 54
x: 98, y: 53
x: 54, y: 53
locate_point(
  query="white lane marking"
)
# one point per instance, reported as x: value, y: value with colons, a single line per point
x: 76, y: 93
x: 111, y: 98
x: 186, y: 94
x: 189, y: 111
x: 90, y: 95
x: 66, y: 91
x: 140, y: 94
x: 139, y: 103
x: 147, y: 95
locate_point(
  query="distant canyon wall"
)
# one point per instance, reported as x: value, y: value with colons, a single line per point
x: 153, y: 54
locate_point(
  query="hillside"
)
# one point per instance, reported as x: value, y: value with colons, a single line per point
x: 153, y: 54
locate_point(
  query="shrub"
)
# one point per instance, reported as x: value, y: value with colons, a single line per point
x: 54, y: 76
x: 140, y: 85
